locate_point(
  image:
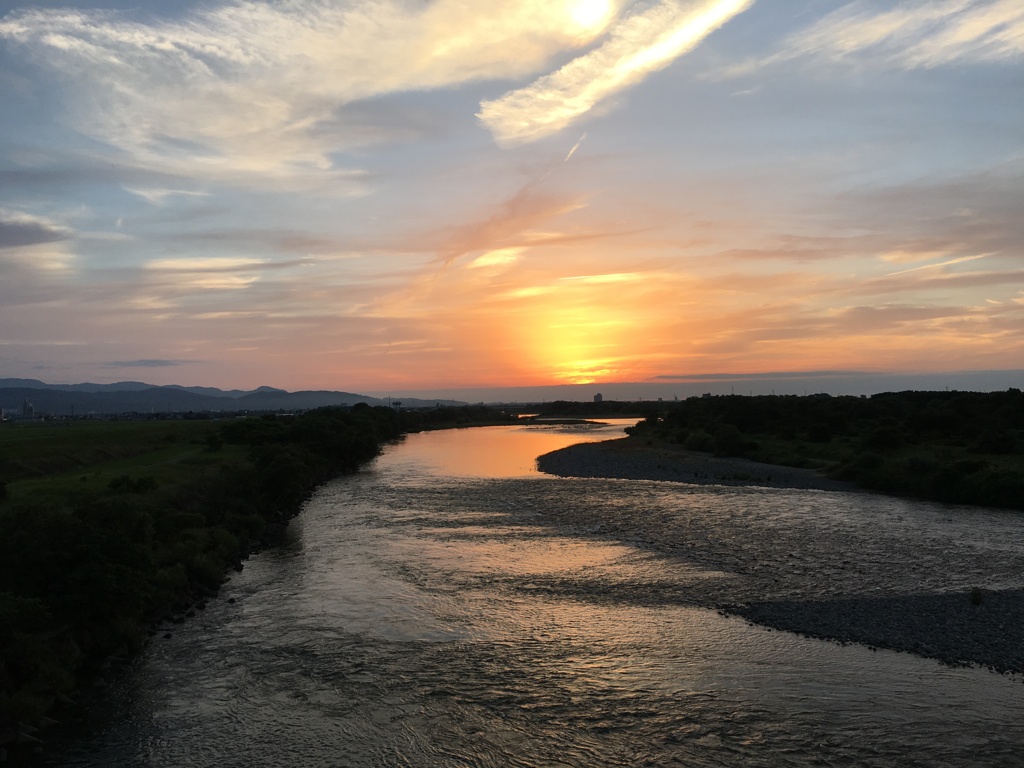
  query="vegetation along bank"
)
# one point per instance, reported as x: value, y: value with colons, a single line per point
x: 113, y: 531
x: 954, y: 447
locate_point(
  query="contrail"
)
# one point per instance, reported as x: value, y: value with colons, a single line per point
x: 574, y: 148
x: 941, y: 264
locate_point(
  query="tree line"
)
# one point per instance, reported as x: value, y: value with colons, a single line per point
x: 958, y: 447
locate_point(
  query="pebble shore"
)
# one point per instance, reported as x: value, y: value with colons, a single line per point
x: 628, y: 459
x: 904, y: 594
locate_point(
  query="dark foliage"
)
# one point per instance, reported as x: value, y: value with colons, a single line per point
x: 83, y: 579
x: 960, y: 447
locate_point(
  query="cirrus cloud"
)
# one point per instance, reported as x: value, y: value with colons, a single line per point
x: 257, y: 89
x: 641, y: 44
x: 913, y: 34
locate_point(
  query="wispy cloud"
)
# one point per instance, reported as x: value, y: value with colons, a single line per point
x: 259, y: 89
x: 31, y: 248
x: 147, y: 363
x: 212, y: 264
x: 515, y: 223
x: 639, y: 45
x: 159, y: 197
x: 781, y: 375
x: 500, y: 258
x: 908, y: 35
x: 939, y: 264
x: 18, y: 230
x: 617, y: 277
x: 174, y: 281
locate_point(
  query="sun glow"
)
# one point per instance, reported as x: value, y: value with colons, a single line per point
x: 590, y: 15
x: 572, y: 346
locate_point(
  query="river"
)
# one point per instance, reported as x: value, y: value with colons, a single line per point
x: 450, y: 606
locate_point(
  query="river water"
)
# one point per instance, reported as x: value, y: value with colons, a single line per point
x: 449, y: 606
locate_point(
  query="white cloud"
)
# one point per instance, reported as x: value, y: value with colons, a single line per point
x: 637, y: 46
x: 259, y: 89
x: 618, y: 277
x: 44, y: 258
x: 205, y: 264
x: 914, y: 34
x: 173, y: 282
x: 502, y: 257
x: 158, y: 197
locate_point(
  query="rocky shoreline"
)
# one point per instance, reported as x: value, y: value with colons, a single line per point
x: 904, y: 593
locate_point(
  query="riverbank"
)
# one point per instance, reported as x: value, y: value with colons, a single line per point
x: 114, y: 533
x: 830, y: 582
x: 634, y: 459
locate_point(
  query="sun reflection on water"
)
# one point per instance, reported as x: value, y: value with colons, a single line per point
x: 494, y: 452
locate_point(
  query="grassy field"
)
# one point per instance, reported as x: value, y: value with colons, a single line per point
x: 58, y: 463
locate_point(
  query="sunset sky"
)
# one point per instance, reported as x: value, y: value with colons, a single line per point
x: 388, y: 196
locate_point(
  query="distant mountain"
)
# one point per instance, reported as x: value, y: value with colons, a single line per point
x: 121, y: 386
x: 214, y: 392
x: 129, y: 396
x: 64, y: 402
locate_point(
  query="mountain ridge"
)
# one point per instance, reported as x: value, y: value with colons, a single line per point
x: 139, y: 397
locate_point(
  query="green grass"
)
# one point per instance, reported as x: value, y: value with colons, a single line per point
x: 58, y: 465
x: 28, y: 449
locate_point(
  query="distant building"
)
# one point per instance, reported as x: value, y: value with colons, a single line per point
x: 598, y: 397
x: 28, y: 410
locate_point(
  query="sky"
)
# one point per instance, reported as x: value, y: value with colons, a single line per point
x: 402, y: 196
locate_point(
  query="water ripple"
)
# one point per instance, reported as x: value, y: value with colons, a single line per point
x: 427, y: 619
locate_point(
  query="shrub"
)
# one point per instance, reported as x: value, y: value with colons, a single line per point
x: 699, y: 440
x: 883, y: 439
x: 730, y: 442
x: 820, y: 433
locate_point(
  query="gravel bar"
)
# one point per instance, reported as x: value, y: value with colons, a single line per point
x: 911, y: 593
x: 628, y: 459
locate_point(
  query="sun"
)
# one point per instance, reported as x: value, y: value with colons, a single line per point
x: 589, y: 15
x: 571, y: 345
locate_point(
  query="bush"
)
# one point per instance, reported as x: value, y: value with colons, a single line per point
x: 883, y: 439
x: 125, y: 484
x: 995, y: 441
x: 699, y: 440
x: 730, y: 442
x: 820, y: 433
